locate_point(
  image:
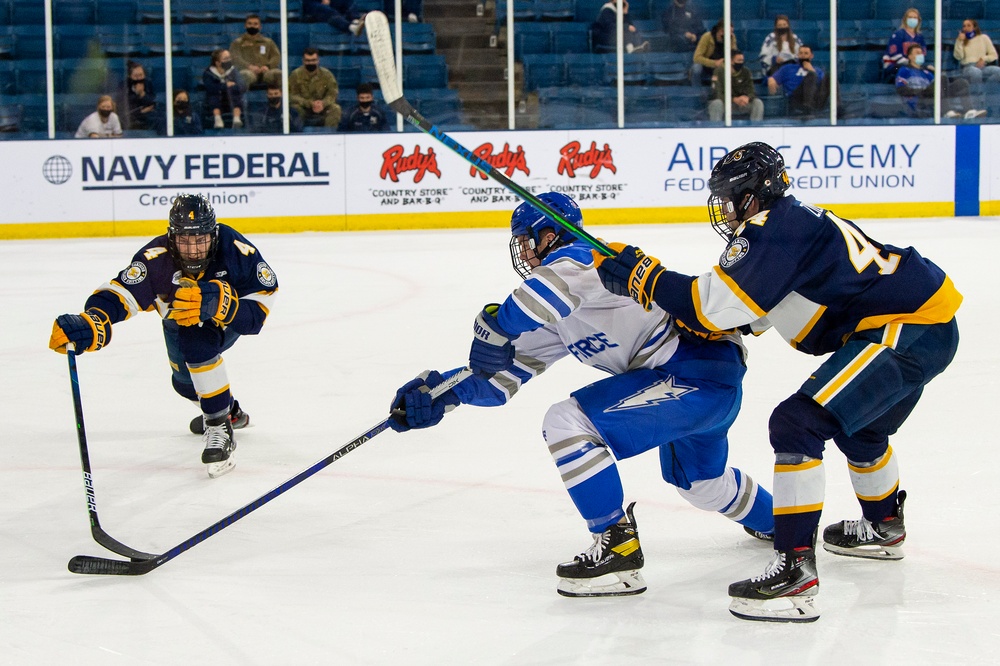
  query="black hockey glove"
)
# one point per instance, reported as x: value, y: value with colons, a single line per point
x: 413, y: 408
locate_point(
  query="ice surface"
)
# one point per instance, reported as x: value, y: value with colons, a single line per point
x: 440, y: 547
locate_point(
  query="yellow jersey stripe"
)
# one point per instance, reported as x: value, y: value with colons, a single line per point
x: 874, y: 468
x: 805, y: 508
x: 843, y: 377
x: 801, y: 467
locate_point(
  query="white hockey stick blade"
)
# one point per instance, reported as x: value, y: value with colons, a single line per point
x: 380, y: 40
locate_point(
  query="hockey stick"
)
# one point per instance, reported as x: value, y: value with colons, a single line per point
x: 377, y: 29
x: 100, y: 536
x: 86, y: 564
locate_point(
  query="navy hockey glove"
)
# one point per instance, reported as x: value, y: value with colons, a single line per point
x: 413, y: 408
x: 492, y: 350
x: 195, y: 302
x: 630, y: 273
x: 88, y: 331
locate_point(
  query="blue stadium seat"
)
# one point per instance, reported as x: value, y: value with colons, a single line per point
x: 555, y: 10
x: 202, y: 38
x: 436, y: 104
x: 586, y: 69
x: 418, y: 38
x: 35, y: 117
x: 181, y: 72
x: 775, y: 106
x: 425, y: 71
x: 568, y: 108
x: 747, y: 9
x: 687, y: 104
x: 4, y: 13
x: 74, y: 41
x: 237, y: 10
x: 8, y: 46
x: 298, y: 40
x: 571, y: 37
x: 634, y: 69
x: 965, y: 9
x: 27, y: 12
x: 894, y: 9
x: 524, y: 10
x: 82, y: 76
x: 8, y: 82
x: 327, y: 42
x: 30, y: 77
x: 991, y: 11
x: 197, y: 11
x: 531, y: 38
x: 847, y: 10
x: 30, y: 41
x: 348, y: 77
x: 544, y: 70
x: 73, y: 12
x: 587, y: 10
x: 271, y: 11
x: 151, y: 11
x: 645, y: 105
x: 859, y: 67
x: 790, y: 8
x: 10, y: 117
x: 669, y: 68
x: 116, y: 12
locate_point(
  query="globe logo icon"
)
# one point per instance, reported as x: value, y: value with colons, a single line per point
x: 57, y: 169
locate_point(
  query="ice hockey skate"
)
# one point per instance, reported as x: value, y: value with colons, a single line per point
x: 757, y: 534
x: 219, y: 447
x: 609, y: 568
x: 237, y: 418
x: 785, y: 592
x: 862, y: 538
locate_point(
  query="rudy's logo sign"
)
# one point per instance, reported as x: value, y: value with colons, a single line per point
x: 506, y: 160
x: 395, y: 162
x: 136, y: 172
x: 573, y: 158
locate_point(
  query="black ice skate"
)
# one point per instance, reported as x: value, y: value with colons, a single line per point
x: 219, y: 447
x: 757, y: 534
x: 861, y: 538
x: 609, y: 568
x: 237, y: 418
x: 785, y: 592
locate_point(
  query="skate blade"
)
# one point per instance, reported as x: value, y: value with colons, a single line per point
x: 867, y: 552
x: 617, y: 584
x: 800, y: 608
x: 215, y: 470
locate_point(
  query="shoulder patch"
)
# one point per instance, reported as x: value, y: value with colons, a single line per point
x: 135, y: 273
x: 737, y: 249
x: 265, y: 275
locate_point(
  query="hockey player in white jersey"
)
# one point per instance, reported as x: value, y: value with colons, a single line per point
x: 670, y: 390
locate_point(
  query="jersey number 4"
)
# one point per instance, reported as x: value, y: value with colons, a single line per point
x: 861, y: 251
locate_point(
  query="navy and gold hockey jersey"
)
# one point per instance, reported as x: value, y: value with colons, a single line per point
x: 150, y: 281
x: 814, y: 277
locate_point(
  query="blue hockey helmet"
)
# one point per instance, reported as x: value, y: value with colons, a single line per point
x: 527, y: 225
x: 192, y: 215
x: 753, y: 172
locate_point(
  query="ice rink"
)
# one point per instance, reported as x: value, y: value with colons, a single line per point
x: 440, y: 546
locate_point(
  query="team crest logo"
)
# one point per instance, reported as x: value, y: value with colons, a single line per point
x: 736, y: 251
x: 266, y: 275
x: 135, y: 273
x: 662, y: 391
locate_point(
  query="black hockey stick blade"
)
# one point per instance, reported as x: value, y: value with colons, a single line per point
x: 87, y: 564
x: 96, y: 531
x: 377, y: 30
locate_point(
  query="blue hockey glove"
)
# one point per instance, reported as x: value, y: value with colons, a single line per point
x: 492, y: 350
x: 413, y: 408
x: 630, y: 273
x: 88, y: 331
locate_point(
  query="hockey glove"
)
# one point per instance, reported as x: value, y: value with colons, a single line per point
x: 413, y: 408
x: 629, y: 273
x: 195, y: 302
x: 88, y: 331
x: 492, y: 350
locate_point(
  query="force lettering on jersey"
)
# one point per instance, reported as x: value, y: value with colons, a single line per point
x: 590, y: 346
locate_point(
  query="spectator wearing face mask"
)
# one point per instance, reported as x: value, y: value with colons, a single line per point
x: 313, y: 90
x: 365, y: 116
x: 900, y: 42
x: 804, y: 84
x: 255, y: 56
x: 222, y: 90
x: 270, y: 120
x: 745, y: 100
x: 709, y: 54
x: 915, y: 83
x: 975, y: 51
x: 185, y: 122
x: 138, y: 99
x: 779, y: 47
x: 102, y: 123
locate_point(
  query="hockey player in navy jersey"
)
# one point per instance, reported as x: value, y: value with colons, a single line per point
x: 885, y: 314
x: 669, y: 390
x: 210, y: 285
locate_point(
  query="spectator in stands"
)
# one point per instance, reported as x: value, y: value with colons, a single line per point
x: 900, y: 42
x: 709, y: 54
x: 256, y: 57
x: 270, y: 121
x: 102, y: 123
x: 411, y: 10
x: 313, y: 90
x: 976, y: 53
x: 916, y: 84
x: 185, y: 122
x: 745, y: 100
x: 682, y: 23
x: 340, y: 14
x: 804, y: 84
x: 779, y: 47
x: 365, y: 116
x: 222, y: 90
x: 137, y: 99
x: 604, y: 30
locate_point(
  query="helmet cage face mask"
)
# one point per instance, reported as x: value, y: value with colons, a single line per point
x: 528, y: 225
x: 523, y: 256
x: 753, y: 172
x: 192, y: 215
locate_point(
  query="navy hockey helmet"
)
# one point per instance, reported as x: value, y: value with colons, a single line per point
x: 192, y: 215
x: 752, y: 172
x: 527, y: 224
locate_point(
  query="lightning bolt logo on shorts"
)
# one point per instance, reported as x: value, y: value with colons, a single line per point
x: 662, y: 391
